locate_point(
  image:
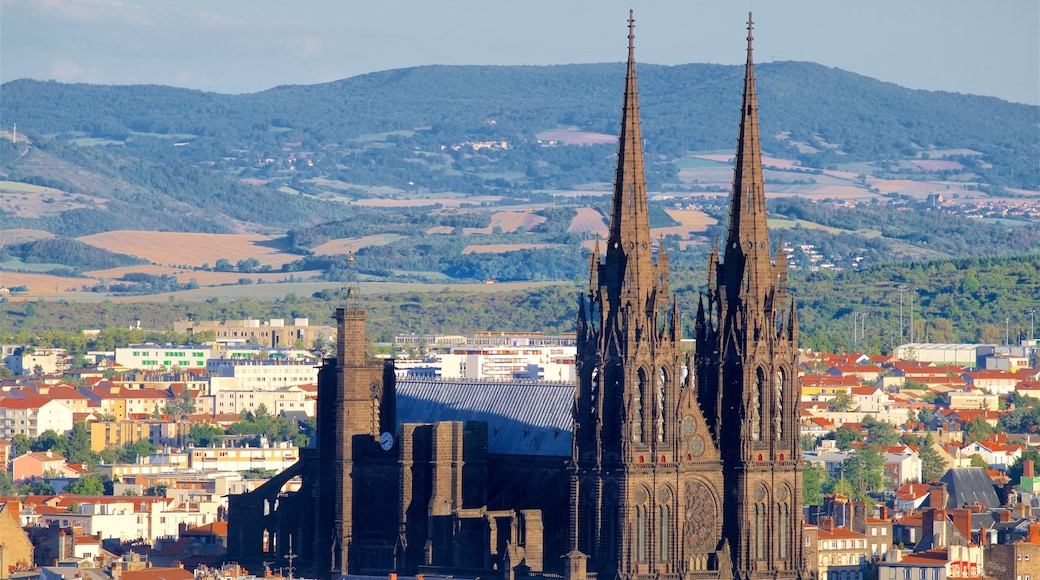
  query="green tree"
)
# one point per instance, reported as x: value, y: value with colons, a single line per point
x: 841, y: 402
x: 7, y: 486
x: 813, y: 480
x: 977, y: 430
x: 182, y: 404
x: 132, y: 451
x: 932, y: 465
x: 35, y: 488
x: 1015, y: 469
x: 78, y: 444
x: 865, y: 471
x: 845, y: 436
x: 976, y: 460
x: 204, y: 435
x: 92, y: 484
x: 880, y: 432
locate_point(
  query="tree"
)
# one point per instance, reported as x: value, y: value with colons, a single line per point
x: 182, y: 404
x: 865, y: 471
x: 813, y: 479
x: 841, y: 402
x: 92, y: 484
x: 204, y: 435
x: 78, y: 444
x: 977, y: 430
x: 132, y: 451
x: 880, y: 432
x: 926, y: 415
x: 976, y: 460
x: 845, y: 436
x: 1015, y: 470
x: 932, y: 464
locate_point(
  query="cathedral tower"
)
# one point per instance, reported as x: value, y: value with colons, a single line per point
x: 646, y: 478
x: 746, y: 366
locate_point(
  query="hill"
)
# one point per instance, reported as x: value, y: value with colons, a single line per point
x: 409, y: 169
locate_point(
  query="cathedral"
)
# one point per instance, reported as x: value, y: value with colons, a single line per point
x: 658, y: 463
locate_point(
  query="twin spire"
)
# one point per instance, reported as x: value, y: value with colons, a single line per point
x: 629, y: 220
x: 747, y: 239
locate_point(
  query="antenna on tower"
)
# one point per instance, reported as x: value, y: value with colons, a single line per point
x: 352, y: 288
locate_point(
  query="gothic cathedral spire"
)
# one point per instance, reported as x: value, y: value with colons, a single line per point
x: 646, y: 483
x: 746, y: 366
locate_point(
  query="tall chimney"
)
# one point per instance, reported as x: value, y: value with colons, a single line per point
x: 937, y: 495
x: 1027, y: 468
x: 1034, y: 533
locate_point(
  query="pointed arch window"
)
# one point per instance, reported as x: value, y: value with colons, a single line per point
x: 783, y: 530
x: 640, y: 551
x: 663, y: 523
x: 760, y: 532
x: 662, y: 380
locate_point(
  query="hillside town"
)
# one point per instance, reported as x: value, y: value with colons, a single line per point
x: 920, y: 461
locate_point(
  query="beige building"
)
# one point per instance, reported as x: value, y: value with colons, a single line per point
x: 273, y: 333
x: 276, y: 457
x: 16, y: 551
x: 842, y: 554
x: 1019, y: 560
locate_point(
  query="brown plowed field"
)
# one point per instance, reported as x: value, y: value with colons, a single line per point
x: 192, y: 249
x: 588, y: 220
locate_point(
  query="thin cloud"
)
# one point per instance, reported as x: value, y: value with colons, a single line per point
x: 67, y: 71
x: 92, y: 10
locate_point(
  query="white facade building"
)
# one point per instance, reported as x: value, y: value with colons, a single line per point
x: 259, y: 375
x: 152, y: 357
x: 550, y: 363
x: 287, y: 399
x: 31, y: 417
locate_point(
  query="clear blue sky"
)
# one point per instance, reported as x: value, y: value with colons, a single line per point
x: 235, y: 46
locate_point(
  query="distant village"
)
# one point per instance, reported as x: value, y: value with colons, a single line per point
x: 910, y: 466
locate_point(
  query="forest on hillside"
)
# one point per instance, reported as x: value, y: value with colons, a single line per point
x: 987, y: 300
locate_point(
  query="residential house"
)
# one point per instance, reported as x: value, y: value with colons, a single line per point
x: 16, y: 551
x: 993, y: 382
x: 1016, y: 560
x: 902, y: 465
x: 39, y: 464
x: 996, y: 455
x: 120, y: 403
x: 30, y: 417
x: 841, y: 552
x: 938, y: 564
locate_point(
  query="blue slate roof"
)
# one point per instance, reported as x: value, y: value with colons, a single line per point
x: 523, y: 417
x: 967, y: 485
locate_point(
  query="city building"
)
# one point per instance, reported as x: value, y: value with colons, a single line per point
x: 273, y: 333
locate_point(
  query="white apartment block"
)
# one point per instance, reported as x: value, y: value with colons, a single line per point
x: 287, y: 399
x: 131, y: 519
x: 276, y: 457
x: 151, y: 357
x: 27, y: 360
x: 550, y: 363
x: 32, y: 417
x: 259, y: 375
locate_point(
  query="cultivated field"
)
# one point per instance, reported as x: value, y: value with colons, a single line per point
x: 508, y: 221
x: 572, y: 136
x: 33, y: 201
x: 503, y: 248
x: 191, y: 249
x: 351, y: 245
x: 692, y: 222
x: 588, y: 220
x: 43, y: 284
